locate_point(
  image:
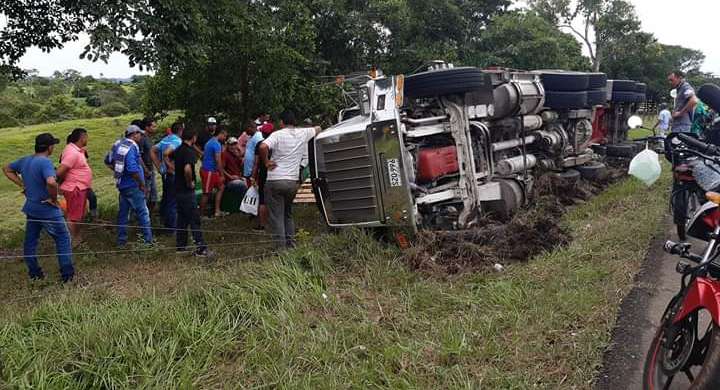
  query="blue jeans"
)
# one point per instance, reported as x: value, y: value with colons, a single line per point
x: 55, y: 227
x: 168, y: 202
x: 133, y: 198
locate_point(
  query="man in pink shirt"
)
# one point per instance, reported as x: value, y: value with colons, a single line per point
x: 76, y: 180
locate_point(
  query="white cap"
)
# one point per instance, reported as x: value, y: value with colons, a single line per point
x: 212, y: 120
x: 232, y: 140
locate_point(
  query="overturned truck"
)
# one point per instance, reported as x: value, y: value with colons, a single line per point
x: 439, y: 149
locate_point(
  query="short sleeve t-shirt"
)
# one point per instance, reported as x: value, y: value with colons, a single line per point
x: 232, y: 163
x: 145, y: 146
x: 288, y: 147
x: 684, y: 93
x: 79, y: 174
x: 184, y: 155
x: 212, y: 147
x: 664, y: 118
x: 249, y: 161
x: 171, y: 142
x: 35, y: 170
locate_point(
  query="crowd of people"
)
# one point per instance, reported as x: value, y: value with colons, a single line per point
x: 261, y: 156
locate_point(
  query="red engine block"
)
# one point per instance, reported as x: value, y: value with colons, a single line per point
x: 433, y: 163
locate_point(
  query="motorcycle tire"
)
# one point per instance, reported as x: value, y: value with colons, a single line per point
x: 564, y: 100
x: 562, y: 81
x: 623, y: 86
x: 449, y: 82
x: 710, y: 95
x: 597, y: 80
x: 707, y: 379
x: 596, y: 97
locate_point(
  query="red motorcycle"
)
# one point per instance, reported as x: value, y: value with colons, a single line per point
x: 688, y: 340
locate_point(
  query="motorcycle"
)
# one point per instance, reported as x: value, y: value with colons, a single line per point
x: 679, y: 347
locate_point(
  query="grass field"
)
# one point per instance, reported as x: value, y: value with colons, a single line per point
x: 340, y: 311
x: 18, y: 141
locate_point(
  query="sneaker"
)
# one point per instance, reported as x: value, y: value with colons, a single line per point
x: 203, y: 252
x: 39, y: 276
x: 68, y: 278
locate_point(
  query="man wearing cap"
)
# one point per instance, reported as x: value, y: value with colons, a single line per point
x: 205, y: 135
x: 35, y: 174
x: 124, y: 159
x: 160, y: 153
x: 233, y: 167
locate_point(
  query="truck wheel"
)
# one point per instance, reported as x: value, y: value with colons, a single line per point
x: 567, y: 178
x: 556, y: 80
x: 623, y: 86
x: 597, y: 80
x: 596, y: 97
x: 599, y: 149
x: 641, y: 88
x: 593, y: 171
x: 447, y: 82
x: 639, y: 97
x: 560, y: 100
x: 710, y: 95
x: 623, y: 96
x: 621, y: 150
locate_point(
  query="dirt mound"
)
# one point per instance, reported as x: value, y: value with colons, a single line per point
x: 535, y: 229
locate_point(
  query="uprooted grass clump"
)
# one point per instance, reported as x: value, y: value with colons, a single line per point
x: 536, y: 229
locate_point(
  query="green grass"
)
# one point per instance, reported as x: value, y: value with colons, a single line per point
x: 340, y: 311
x: 18, y: 141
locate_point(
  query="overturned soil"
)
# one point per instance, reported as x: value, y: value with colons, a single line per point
x: 535, y: 229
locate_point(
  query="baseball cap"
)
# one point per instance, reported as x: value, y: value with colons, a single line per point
x: 212, y: 120
x: 132, y: 129
x: 232, y: 140
x: 46, y: 139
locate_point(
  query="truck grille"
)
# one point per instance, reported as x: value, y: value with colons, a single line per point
x: 346, y: 169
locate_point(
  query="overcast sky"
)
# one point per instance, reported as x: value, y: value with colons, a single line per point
x: 690, y: 23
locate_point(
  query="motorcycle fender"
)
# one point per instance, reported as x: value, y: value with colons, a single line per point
x: 702, y: 294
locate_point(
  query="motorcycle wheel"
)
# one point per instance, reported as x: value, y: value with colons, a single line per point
x: 685, y: 202
x: 663, y: 364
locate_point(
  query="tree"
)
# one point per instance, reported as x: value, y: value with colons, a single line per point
x: 524, y: 40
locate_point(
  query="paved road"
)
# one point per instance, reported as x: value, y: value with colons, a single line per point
x: 638, y: 319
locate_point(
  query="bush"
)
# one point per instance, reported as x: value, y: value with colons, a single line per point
x: 114, y: 109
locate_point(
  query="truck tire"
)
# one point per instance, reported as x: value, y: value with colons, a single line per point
x: 641, y: 88
x: 556, y: 80
x: 710, y: 95
x: 623, y: 86
x: 599, y: 149
x: 593, y: 171
x: 560, y: 100
x: 448, y: 82
x: 621, y: 150
x: 596, y: 97
x: 566, y: 178
x: 639, y: 97
x: 623, y: 97
x: 597, y: 80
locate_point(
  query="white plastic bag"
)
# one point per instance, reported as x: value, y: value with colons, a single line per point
x: 646, y: 167
x: 250, y: 202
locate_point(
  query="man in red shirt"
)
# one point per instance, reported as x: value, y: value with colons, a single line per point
x: 232, y: 162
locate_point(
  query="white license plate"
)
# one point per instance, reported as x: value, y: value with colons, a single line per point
x: 393, y: 166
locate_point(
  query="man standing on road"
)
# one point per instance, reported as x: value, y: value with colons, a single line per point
x: 161, y: 158
x: 75, y: 176
x: 125, y: 161
x: 35, y: 174
x: 663, y: 120
x: 212, y: 172
x: 287, y: 146
x: 685, y: 102
x: 184, y: 158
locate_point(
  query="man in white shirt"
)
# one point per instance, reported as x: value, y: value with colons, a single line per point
x: 287, y: 146
x: 663, y: 120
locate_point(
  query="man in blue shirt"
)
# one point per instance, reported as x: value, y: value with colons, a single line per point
x: 161, y: 158
x: 35, y: 174
x: 211, y: 172
x: 255, y: 138
x: 127, y: 165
